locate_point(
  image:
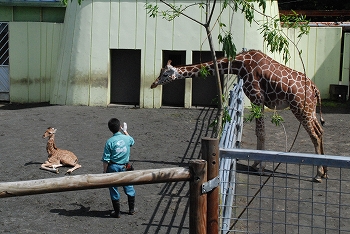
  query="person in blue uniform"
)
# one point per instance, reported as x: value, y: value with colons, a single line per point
x: 115, y: 158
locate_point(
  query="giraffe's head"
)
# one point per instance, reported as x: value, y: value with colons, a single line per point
x: 167, y: 74
x: 49, y: 132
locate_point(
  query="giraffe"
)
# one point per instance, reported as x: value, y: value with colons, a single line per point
x: 58, y: 157
x: 266, y: 83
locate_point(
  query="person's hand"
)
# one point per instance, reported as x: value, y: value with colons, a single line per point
x: 125, y: 127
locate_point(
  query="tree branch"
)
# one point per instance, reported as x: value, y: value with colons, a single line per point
x: 181, y: 13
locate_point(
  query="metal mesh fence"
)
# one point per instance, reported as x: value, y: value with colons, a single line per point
x: 4, y: 62
x: 284, y: 199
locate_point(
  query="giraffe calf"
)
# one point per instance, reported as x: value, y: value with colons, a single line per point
x: 58, y: 157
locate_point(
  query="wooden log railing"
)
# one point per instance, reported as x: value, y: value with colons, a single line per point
x: 93, y: 181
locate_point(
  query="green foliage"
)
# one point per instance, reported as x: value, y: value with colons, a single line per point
x: 228, y: 47
x: 204, y: 71
x: 276, y: 119
x: 173, y: 12
x: 152, y: 10
x: 296, y: 21
x: 65, y: 2
x: 256, y: 112
x: 247, y: 7
x: 275, y: 38
x: 248, y: 10
x: 170, y: 14
x: 226, y: 117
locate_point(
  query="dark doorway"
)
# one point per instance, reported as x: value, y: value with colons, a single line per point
x: 204, y: 88
x: 125, y: 76
x: 174, y: 92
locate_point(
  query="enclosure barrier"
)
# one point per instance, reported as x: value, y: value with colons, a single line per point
x: 230, y: 139
x: 93, y: 181
x: 284, y: 199
x: 201, y: 185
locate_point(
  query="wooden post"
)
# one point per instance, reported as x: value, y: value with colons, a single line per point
x: 210, y: 153
x: 198, y: 200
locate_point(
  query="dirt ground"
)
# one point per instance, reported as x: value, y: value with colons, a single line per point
x: 166, y: 137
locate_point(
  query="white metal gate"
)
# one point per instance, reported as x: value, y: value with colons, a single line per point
x: 4, y: 62
x: 285, y: 199
x: 282, y: 200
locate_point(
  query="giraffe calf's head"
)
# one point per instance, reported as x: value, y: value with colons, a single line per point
x: 49, y: 132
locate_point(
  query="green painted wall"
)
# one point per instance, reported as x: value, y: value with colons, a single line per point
x: 321, y: 50
x: 6, y: 13
x: 31, y: 14
x: 345, y: 79
x: 33, y: 60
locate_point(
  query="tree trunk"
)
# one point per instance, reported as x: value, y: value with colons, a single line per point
x: 219, y: 114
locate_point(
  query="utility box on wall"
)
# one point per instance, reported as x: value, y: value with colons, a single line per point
x: 338, y: 92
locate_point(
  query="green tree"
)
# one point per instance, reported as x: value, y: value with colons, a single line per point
x: 270, y: 30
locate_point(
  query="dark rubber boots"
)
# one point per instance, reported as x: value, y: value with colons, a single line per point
x: 131, y: 202
x: 116, y: 207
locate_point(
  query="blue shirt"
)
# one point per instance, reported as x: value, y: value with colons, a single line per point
x: 117, y: 148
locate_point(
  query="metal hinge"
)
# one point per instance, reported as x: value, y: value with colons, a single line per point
x: 210, y: 185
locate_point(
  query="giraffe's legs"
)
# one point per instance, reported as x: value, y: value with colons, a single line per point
x: 317, y: 139
x: 260, y: 134
x: 76, y: 166
x: 259, y: 166
x: 315, y: 131
x: 321, y: 173
x: 50, y: 167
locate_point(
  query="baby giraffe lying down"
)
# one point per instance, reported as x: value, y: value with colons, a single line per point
x: 58, y: 157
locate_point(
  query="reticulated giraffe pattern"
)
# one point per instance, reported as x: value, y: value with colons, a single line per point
x: 58, y: 157
x: 269, y: 83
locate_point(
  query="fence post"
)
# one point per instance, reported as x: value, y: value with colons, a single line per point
x: 198, y: 200
x: 210, y: 153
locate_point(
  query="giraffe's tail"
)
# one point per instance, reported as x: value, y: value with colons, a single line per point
x: 318, y: 96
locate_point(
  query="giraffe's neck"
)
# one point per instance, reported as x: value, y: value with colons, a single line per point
x: 170, y: 73
x: 51, y: 146
x: 190, y: 71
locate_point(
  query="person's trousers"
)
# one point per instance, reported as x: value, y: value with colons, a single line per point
x: 113, y: 191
